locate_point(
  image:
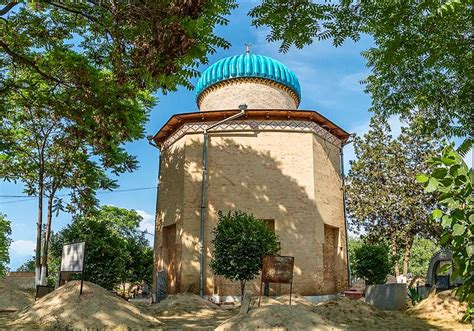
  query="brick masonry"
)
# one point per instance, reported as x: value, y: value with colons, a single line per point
x: 288, y: 176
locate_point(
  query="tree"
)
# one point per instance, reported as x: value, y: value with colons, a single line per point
x: 422, y: 56
x: 372, y: 262
x: 422, y: 251
x: 116, y: 250
x: 5, y: 241
x: 383, y: 199
x: 91, y: 66
x: 240, y: 242
x: 28, y: 266
x: 451, y: 180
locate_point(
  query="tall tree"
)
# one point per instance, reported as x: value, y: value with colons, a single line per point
x: 91, y: 66
x: 5, y: 241
x: 422, y: 55
x: 383, y: 198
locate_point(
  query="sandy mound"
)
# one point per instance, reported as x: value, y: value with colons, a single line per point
x: 280, y: 317
x: 183, y: 303
x: 442, y: 306
x: 296, y: 300
x: 95, y: 308
x: 12, y: 298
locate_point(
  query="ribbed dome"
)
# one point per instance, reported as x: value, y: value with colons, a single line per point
x: 248, y: 65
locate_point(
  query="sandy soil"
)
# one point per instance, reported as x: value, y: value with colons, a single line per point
x: 441, y: 309
x: 12, y: 298
x: 96, y: 308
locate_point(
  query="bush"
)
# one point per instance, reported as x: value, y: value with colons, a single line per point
x: 240, y: 242
x: 372, y: 262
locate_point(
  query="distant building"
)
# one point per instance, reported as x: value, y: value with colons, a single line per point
x: 279, y: 163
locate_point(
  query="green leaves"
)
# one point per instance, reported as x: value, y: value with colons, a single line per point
x: 5, y: 241
x: 240, y: 241
x: 454, y: 188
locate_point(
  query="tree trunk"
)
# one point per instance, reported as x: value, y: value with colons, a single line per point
x: 406, y: 257
x: 39, y: 228
x: 242, y: 290
x: 44, y: 257
x: 393, y: 251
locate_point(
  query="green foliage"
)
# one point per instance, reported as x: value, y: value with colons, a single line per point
x: 422, y: 57
x: 452, y: 182
x: 372, y: 262
x: 240, y: 242
x: 421, y: 253
x: 354, y: 244
x: 5, y: 241
x: 414, y: 296
x: 28, y: 266
x: 116, y: 250
x: 383, y: 199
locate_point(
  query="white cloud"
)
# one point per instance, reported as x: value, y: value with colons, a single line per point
x: 22, y: 248
x: 469, y: 158
x: 148, y: 222
x: 351, y: 82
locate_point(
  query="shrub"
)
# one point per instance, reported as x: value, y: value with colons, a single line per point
x: 372, y: 262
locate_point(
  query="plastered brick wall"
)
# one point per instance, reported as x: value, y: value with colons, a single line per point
x: 254, y: 95
x: 291, y: 177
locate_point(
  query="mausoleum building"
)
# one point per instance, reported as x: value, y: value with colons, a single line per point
x: 267, y: 158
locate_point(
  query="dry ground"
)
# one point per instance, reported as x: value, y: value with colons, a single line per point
x: 100, y: 309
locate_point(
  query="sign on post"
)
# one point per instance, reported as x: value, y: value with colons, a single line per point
x: 277, y: 269
x: 72, y: 260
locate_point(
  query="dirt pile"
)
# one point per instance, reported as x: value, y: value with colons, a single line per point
x: 96, y: 308
x: 277, y: 317
x: 442, y: 306
x: 183, y: 303
x: 296, y: 300
x: 12, y: 298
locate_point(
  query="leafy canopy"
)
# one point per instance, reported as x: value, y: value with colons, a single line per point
x: 371, y: 262
x: 422, y: 56
x: 450, y: 179
x: 5, y: 241
x: 383, y: 199
x: 240, y: 242
x: 116, y: 249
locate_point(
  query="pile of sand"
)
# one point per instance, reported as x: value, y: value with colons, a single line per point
x: 12, y: 298
x: 296, y: 300
x: 277, y: 316
x: 96, y: 308
x: 183, y: 303
x: 442, y: 306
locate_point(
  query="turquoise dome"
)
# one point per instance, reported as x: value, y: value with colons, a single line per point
x: 248, y: 65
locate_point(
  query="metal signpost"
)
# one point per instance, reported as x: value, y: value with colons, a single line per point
x: 277, y: 269
x: 72, y: 260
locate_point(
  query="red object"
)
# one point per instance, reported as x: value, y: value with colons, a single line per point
x: 353, y: 294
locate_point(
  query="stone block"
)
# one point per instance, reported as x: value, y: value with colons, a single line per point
x: 387, y: 296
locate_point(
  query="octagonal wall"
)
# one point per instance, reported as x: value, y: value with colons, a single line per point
x: 291, y: 179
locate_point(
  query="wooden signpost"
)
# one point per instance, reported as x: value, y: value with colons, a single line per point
x: 277, y: 269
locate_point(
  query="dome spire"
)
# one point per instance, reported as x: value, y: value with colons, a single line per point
x: 247, y: 48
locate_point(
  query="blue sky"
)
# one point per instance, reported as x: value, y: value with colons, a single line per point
x: 329, y: 78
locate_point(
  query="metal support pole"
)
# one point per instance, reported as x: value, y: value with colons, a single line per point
x: 203, y: 208
x: 341, y: 153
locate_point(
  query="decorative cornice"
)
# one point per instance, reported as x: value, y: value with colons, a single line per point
x: 252, y: 125
x: 240, y: 80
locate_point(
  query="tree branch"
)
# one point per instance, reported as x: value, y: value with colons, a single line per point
x: 8, y: 7
x: 27, y: 61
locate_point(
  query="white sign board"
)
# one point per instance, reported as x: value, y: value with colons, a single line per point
x: 72, y: 258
